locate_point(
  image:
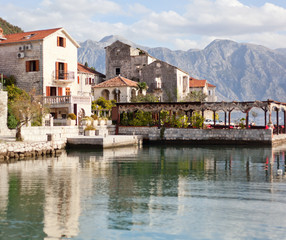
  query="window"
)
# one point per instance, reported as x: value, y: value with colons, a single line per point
x: 51, y: 91
x: 61, y: 70
x: 117, y: 71
x: 32, y: 66
x: 61, y: 42
x: 68, y: 91
x: 158, y: 82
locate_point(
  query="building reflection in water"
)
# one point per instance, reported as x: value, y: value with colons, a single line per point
x: 123, y: 188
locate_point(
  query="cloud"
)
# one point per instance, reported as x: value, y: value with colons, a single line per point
x: 192, y: 26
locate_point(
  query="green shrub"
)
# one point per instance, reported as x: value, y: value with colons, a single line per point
x: 12, y: 122
x: 197, y: 120
x: 72, y: 116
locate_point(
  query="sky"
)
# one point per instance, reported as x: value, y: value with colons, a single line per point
x: 177, y: 25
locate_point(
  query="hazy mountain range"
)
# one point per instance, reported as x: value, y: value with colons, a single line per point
x: 241, y: 71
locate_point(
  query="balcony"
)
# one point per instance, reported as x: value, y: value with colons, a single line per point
x: 64, y: 77
x: 56, y: 101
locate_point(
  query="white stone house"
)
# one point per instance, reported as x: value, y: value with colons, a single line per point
x: 118, y: 88
x: 205, y: 87
x: 86, y: 78
x: 47, y: 61
x: 167, y: 82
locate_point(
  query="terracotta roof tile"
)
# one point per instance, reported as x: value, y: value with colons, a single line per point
x: 84, y: 69
x: 28, y: 36
x: 210, y: 85
x: 197, y: 83
x: 117, y: 82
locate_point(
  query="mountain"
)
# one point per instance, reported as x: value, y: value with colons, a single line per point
x: 8, y: 28
x: 241, y: 71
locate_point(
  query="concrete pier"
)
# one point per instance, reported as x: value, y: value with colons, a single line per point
x: 105, y: 142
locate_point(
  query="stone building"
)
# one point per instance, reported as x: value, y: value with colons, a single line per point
x: 168, y: 82
x: 47, y: 61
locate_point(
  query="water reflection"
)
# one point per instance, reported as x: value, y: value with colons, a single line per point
x: 93, y: 194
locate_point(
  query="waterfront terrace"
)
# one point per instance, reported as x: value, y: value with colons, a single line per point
x: 214, y: 133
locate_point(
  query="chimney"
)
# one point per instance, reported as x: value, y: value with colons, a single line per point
x: 2, y: 37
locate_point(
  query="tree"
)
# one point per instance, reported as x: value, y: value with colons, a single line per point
x: 142, y: 86
x: 145, y: 98
x: 102, y: 103
x: 26, y: 108
x: 196, y: 96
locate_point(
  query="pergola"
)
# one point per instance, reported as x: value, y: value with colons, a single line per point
x: 268, y: 107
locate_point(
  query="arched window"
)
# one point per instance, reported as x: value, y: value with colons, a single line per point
x: 105, y: 93
x: 116, y: 93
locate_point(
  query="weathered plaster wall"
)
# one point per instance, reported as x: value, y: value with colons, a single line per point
x: 168, y: 75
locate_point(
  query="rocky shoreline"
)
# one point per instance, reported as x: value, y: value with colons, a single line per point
x: 15, y: 151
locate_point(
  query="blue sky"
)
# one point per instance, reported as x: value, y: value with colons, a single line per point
x: 178, y: 25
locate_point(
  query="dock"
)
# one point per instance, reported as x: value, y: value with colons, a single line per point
x: 108, y: 141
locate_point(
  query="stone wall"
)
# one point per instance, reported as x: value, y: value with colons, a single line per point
x: 217, y: 136
x: 20, y: 150
x: 3, y: 114
x: 57, y: 134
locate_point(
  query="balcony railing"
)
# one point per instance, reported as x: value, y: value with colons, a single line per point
x: 58, y: 100
x: 64, y: 77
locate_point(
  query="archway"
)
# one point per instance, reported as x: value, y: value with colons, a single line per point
x: 105, y: 93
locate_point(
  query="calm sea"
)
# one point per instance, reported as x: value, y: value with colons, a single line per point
x: 154, y: 192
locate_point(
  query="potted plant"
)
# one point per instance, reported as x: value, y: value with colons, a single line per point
x: 71, y: 119
x: 89, y: 131
x: 86, y: 121
x: 95, y: 120
x: 102, y: 121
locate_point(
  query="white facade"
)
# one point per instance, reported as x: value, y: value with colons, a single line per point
x: 46, y: 60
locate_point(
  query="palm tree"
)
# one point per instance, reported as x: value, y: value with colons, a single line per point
x: 142, y: 86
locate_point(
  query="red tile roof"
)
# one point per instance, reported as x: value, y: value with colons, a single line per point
x: 28, y: 36
x: 117, y: 82
x: 195, y: 83
x: 210, y: 85
x: 82, y: 68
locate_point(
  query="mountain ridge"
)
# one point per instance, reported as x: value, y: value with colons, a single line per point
x: 241, y: 71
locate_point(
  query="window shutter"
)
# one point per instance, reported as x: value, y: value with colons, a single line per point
x: 57, y: 70
x: 27, y: 66
x: 37, y: 65
x: 65, y: 70
x: 78, y: 79
x: 48, y: 91
x: 58, y: 41
x: 60, y: 91
x: 64, y: 42
x: 68, y: 91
